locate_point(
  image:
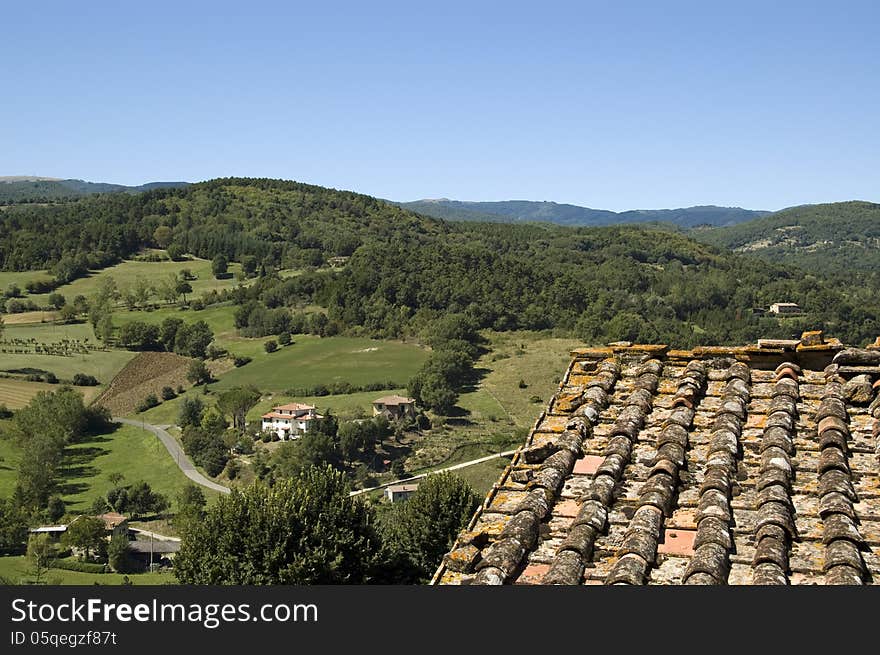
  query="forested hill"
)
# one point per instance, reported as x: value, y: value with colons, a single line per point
x: 35, y: 189
x: 523, y: 211
x: 404, y: 270
x: 837, y: 239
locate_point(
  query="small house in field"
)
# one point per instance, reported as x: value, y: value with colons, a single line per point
x: 289, y: 421
x: 785, y: 308
x: 114, y: 523
x: 395, y: 407
x: 398, y: 492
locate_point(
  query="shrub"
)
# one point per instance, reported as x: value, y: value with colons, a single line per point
x: 241, y: 360
x: 148, y: 402
x: 271, y: 346
x: 5, y: 412
x: 284, y: 338
x: 82, y: 567
x: 535, y: 399
x: 168, y: 393
x: 51, y: 378
x: 84, y: 380
x: 522, y: 384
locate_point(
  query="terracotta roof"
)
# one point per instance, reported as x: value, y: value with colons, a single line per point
x: 394, y: 400
x: 290, y: 417
x: 710, y: 466
x: 112, y: 519
x: 294, y: 407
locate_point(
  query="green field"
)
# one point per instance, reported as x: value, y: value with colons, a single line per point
x: 126, y: 272
x: 15, y: 393
x: 311, y: 360
x: 133, y: 452
x: 15, y: 569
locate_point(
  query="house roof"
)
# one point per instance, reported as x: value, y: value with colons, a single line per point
x: 717, y: 465
x: 48, y: 529
x: 292, y: 418
x: 112, y: 519
x: 293, y: 407
x: 158, y: 546
x: 398, y: 488
x: 394, y: 400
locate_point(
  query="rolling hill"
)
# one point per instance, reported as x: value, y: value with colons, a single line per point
x: 832, y: 239
x: 23, y: 189
x: 395, y: 272
x: 524, y: 211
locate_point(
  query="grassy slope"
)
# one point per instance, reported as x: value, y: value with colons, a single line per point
x: 126, y: 272
x: 135, y: 453
x: 312, y: 360
x: 16, y: 570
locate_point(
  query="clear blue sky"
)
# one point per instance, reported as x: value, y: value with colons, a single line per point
x: 614, y: 105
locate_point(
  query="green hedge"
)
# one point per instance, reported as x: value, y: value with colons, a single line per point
x: 82, y: 567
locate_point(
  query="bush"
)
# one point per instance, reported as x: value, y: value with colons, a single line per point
x: 271, y: 346
x: 241, y: 360
x: 535, y: 399
x: 51, y: 378
x: 148, y: 402
x: 5, y: 412
x: 284, y: 338
x: 168, y: 393
x: 522, y: 384
x: 83, y: 380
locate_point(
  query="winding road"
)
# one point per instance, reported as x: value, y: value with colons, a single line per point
x: 189, y: 470
x: 176, y: 451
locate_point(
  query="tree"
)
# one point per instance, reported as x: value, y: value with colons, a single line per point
x: 310, y: 450
x: 191, y: 409
x: 138, y: 335
x: 424, y: 527
x: 182, y: 288
x: 191, y: 504
x: 219, y: 266
x: 142, y: 290
x: 248, y: 265
x: 13, y: 525
x: 168, y: 332
x: 57, y: 300
x: 307, y: 530
x: 270, y: 346
x: 193, y: 339
x: 198, y: 372
x: 175, y: 252
x: 284, y: 338
x: 236, y: 403
x: 213, y: 422
x: 119, y: 553
x: 143, y: 500
x: 55, y: 509
x: 87, y: 534
x: 40, y: 555
x: 167, y: 288
x: 162, y: 236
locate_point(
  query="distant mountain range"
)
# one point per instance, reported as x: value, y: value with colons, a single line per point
x: 23, y: 188
x: 525, y: 211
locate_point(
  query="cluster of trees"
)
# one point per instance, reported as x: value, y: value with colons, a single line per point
x: 308, y: 530
x: 455, y: 344
x: 43, y: 429
x: 137, y: 499
x: 172, y: 335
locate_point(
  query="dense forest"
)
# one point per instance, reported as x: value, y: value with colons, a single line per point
x: 395, y: 272
x: 840, y: 239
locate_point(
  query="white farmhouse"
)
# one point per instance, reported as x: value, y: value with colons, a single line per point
x: 291, y: 420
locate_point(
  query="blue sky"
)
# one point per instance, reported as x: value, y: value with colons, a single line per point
x: 614, y: 105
